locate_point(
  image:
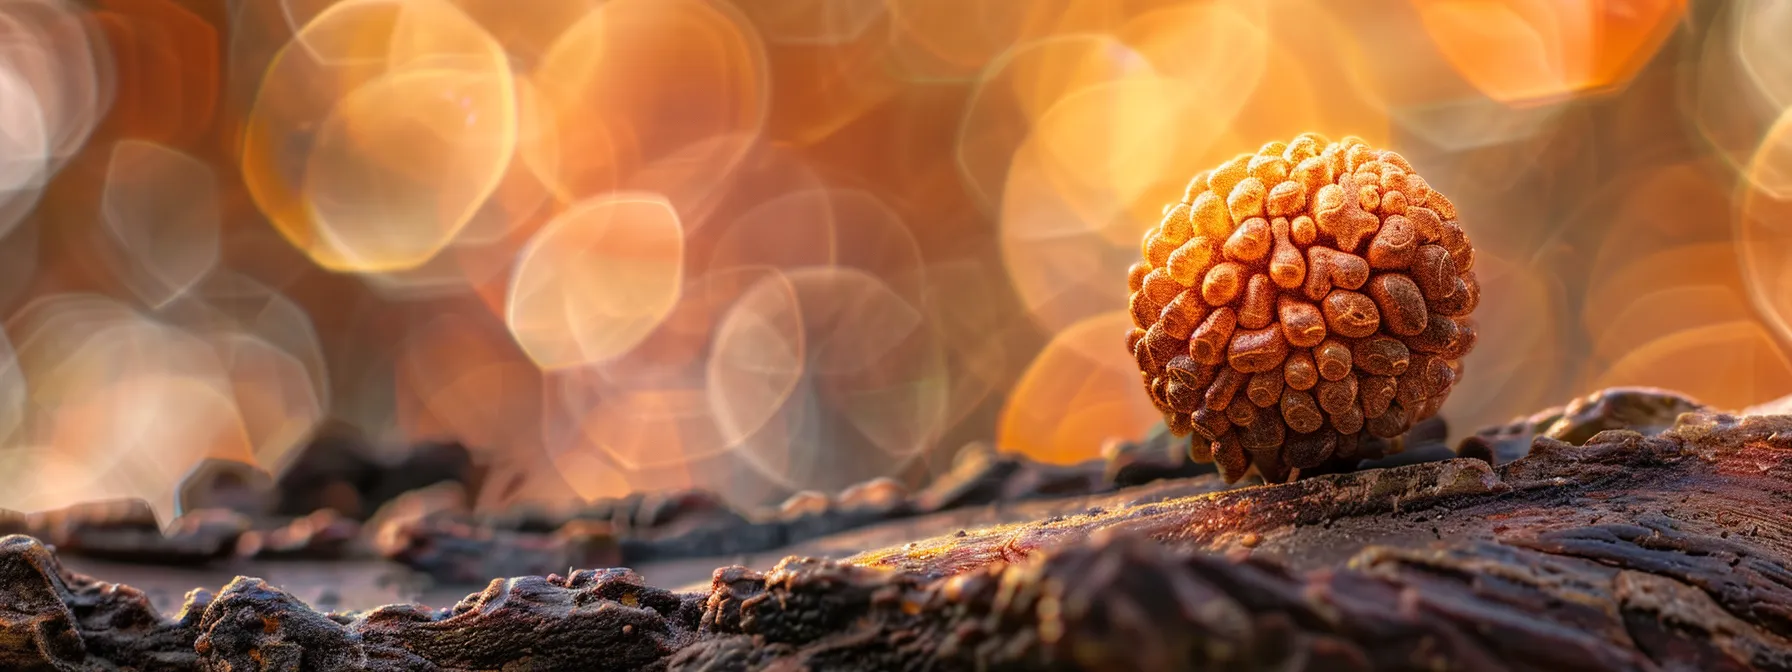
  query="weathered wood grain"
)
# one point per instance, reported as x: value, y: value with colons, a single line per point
x: 1670, y: 551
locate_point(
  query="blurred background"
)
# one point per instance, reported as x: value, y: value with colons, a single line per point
x: 769, y: 245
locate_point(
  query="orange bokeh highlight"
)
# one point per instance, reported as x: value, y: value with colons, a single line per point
x: 1535, y: 50
x: 945, y: 40
x: 274, y: 395
x: 1661, y: 293
x: 1521, y: 336
x: 758, y: 247
x: 380, y: 131
x: 635, y: 82
x: 1764, y: 228
x: 132, y: 401
x: 54, y: 85
x: 1080, y: 391
x: 1761, y: 48
x: 595, y: 282
x: 1018, y: 88
x: 1728, y: 365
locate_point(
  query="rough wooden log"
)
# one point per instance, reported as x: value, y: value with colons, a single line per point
x: 1629, y: 552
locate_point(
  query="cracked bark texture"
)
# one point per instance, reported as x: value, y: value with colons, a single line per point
x: 1669, y: 551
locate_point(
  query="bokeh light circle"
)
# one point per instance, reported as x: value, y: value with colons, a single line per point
x: 13, y: 395
x: 1539, y: 50
x: 379, y: 132
x: 24, y: 149
x: 1761, y: 47
x: 821, y: 377
x: 1079, y: 392
x: 161, y: 208
x: 596, y: 280
x: 1018, y: 87
x: 54, y: 48
x: 1764, y: 228
x: 118, y: 403
x: 635, y: 82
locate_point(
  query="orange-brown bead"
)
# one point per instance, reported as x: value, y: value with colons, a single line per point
x: 1299, y: 304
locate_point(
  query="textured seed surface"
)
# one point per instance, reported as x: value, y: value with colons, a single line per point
x: 1258, y: 309
x: 1286, y: 266
x: 1265, y: 388
x: 1184, y: 313
x: 1190, y: 263
x: 1269, y: 464
x: 1241, y: 414
x: 1402, y: 307
x: 1301, y: 372
x: 1376, y: 392
x: 1210, y: 423
x: 1300, y: 411
x: 1305, y: 451
x: 1334, y: 359
x: 1350, y: 314
x: 1258, y: 349
x: 1463, y: 300
x: 1208, y: 343
x: 1303, y: 231
x: 1328, y: 268
x: 1393, y: 246
x: 1298, y: 300
x: 1348, y: 421
x: 1225, y: 386
x: 1250, y: 242
x: 1381, y: 356
x: 1229, y: 455
x: 1302, y: 323
x: 1337, y: 396
x: 1246, y: 200
x: 1224, y: 282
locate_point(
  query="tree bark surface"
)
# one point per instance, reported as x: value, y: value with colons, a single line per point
x: 1620, y: 550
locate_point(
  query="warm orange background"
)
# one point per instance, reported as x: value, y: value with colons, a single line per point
x: 768, y: 245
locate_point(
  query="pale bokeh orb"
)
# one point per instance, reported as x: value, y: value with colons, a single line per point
x: 822, y: 377
x: 1080, y: 391
x: 634, y: 83
x: 596, y: 280
x: 1764, y: 228
x: 160, y: 207
x: 380, y: 131
x: 1536, y: 50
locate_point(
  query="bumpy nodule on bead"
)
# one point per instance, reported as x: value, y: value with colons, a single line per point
x: 1299, y: 302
